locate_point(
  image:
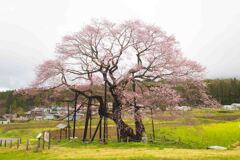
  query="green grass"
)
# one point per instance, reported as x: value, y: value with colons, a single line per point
x: 184, y: 137
x: 201, y: 136
x: 123, y: 151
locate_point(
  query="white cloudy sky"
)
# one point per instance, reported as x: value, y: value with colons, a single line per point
x: 208, y: 30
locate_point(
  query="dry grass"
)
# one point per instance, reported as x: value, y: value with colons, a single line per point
x: 58, y: 153
x: 131, y: 153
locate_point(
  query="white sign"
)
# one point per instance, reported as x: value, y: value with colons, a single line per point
x: 39, y: 135
x: 46, y: 136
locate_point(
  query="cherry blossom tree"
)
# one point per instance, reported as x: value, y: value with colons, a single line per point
x: 123, y: 56
x: 194, y: 92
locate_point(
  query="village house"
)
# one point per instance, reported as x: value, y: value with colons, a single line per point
x: 4, y: 121
x: 234, y: 106
x: 182, y: 108
x: 9, y: 116
x: 49, y: 117
x: 20, y: 119
x: 38, y: 118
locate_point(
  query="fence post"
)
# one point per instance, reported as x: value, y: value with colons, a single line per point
x: 164, y: 139
x: 38, y: 143
x: 69, y: 133
x: 65, y: 132
x: 27, y: 145
x: 10, y: 143
x: 49, y: 140
x: 119, y: 134
x: 179, y: 140
x: 153, y: 128
x: 18, y: 141
x: 0, y: 143
x: 151, y: 138
x: 60, y: 138
x: 43, y: 142
x: 5, y: 143
x: 100, y: 132
x: 118, y: 139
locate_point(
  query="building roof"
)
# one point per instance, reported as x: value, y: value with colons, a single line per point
x: 3, y: 119
x: 61, y: 126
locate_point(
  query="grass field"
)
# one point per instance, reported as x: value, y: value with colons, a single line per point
x: 120, y: 152
x: 182, y: 137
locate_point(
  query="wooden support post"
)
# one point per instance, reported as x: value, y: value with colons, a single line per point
x: 105, y: 129
x: 68, y: 126
x: 0, y: 143
x: 5, y: 143
x: 20, y: 140
x: 95, y: 132
x: 75, y: 112
x: 87, y: 119
x: 90, y: 125
x: 100, y: 130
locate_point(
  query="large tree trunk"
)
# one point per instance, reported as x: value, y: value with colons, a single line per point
x: 139, y: 127
x: 125, y: 131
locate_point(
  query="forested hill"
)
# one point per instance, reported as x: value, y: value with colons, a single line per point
x: 226, y: 91
x: 10, y: 102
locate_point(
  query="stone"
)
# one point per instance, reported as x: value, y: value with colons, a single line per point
x: 216, y: 147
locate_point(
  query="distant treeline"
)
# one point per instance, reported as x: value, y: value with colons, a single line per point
x: 226, y: 91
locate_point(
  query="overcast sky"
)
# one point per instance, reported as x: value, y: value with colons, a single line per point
x: 208, y: 31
